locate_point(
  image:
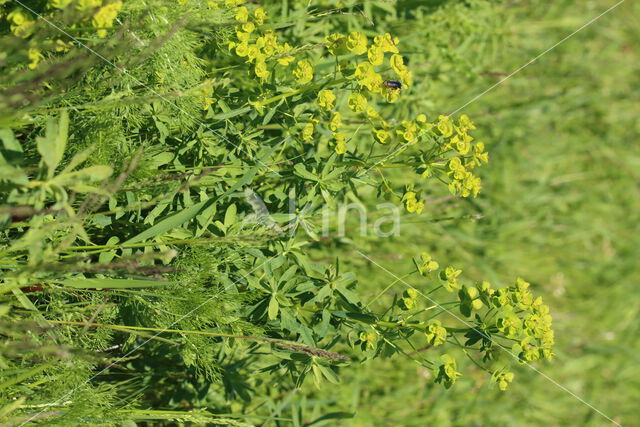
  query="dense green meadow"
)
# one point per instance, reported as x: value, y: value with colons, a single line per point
x: 221, y: 213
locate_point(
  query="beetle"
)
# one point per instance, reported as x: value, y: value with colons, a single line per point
x: 393, y: 84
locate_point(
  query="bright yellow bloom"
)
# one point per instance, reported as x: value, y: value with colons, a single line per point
x: 357, y: 43
x: 428, y: 264
x: 381, y: 135
x: 479, y: 155
x: 261, y: 70
x: 375, y: 55
x: 411, y: 202
x: 387, y: 43
x: 336, y: 121
x: 254, y: 54
x: 105, y: 16
x: 283, y: 49
x: 243, y: 37
x: 465, y: 123
x: 336, y: 44
x: 341, y: 145
x: 450, y: 277
x: 436, y: 333
x: 303, y: 72
x: 372, y: 113
x: 357, y: 102
x: 260, y: 15
x: 268, y: 43
x: 504, y: 380
x: 462, y: 143
x: 61, y: 46
x: 406, y: 78
x: 367, y: 76
x: 390, y: 95
x: 445, y: 126
x: 397, y: 64
x: 307, y: 132
x: 249, y: 27
x: 410, y: 131
x: 242, y: 49
x: 34, y: 57
x: 242, y: 14
x: 326, y: 99
x: 21, y: 25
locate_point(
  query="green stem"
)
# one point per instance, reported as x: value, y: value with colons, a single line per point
x: 387, y: 288
x: 140, y: 245
x: 291, y: 345
x: 299, y: 91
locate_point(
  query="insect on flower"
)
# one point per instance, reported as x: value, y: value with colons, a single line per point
x: 393, y: 84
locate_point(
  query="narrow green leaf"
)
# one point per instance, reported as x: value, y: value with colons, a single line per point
x: 51, y: 146
x: 230, y: 114
x: 230, y: 215
x: 274, y: 307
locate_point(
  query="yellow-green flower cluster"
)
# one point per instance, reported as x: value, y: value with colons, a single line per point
x: 303, y: 72
x: 409, y: 131
x: 326, y: 99
x: 336, y: 121
x: 386, y: 43
x: 469, y: 299
x: 463, y: 182
x: 307, y: 132
x: 340, y: 143
x: 449, y: 278
x: 35, y: 56
x: 436, y: 333
x: 447, y: 373
x: 502, y: 378
x: 428, y: 264
x: 21, y: 24
x: 357, y: 102
x: 365, y: 72
x: 455, y: 137
x: 479, y: 156
x: 105, y: 16
x: 381, y: 135
x: 336, y: 44
x: 258, y: 49
x: 445, y: 126
x: 366, y: 340
x: 411, y: 203
x: 366, y: 76
x: 408, y: 300
x: 357, y: 43
x: 397, y: 64
x: 519, y: 317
